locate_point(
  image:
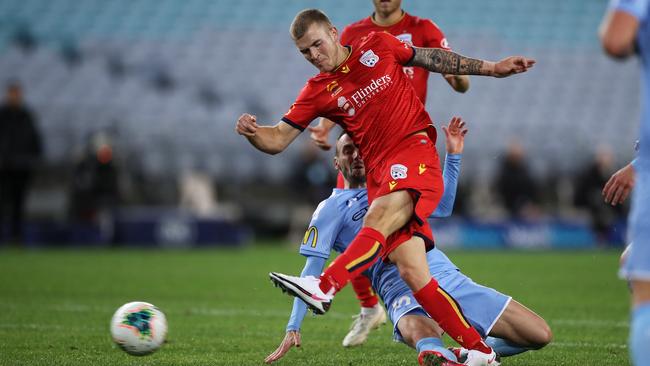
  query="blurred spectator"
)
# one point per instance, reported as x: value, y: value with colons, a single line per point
x: 312, y: 181
x: 314, y: 176
x: 589, y: 185
x: 95, y: 189
x: 197, y: 194
x: 20, y: 150
x: 515, y: 184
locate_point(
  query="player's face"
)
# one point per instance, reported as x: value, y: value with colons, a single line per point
x: 387, y: 6
x: 319, y: 47
x: 348, y: 161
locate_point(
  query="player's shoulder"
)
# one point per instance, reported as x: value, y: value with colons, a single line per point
x: 316, y: 84
x: 422, y: 23
x: 360, y: 24
x: 318, y: 79
x: 348, y: 197
x: 377, y: 37
x: 330, y: 208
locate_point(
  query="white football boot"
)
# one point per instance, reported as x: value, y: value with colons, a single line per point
x: 367, y: 320
x: 306, y: 289
x: 478, y: 358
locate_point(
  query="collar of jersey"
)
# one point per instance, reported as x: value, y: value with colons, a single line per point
x: 344, y: 61
x: 372, y: 19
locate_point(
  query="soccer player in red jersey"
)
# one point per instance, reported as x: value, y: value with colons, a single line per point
x: 389, y: 17
x: 363, y: 88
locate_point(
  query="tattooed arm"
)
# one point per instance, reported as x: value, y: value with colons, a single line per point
x: 448, y: 62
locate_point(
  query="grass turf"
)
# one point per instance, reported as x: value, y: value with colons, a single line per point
x: 55, y: 307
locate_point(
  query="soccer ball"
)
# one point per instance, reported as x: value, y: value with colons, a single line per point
x: 139, y: 328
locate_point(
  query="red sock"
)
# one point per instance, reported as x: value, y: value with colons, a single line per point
x: 360, y: 255
x: 363, y: 288
x: 446, y: 312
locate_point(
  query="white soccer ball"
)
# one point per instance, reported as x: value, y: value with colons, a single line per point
x: 139, y: 328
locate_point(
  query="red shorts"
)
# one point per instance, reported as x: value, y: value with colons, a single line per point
x: 414, y: 166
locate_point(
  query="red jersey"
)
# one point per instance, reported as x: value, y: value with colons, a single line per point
x: 368, y: 95
x: 410, y: 29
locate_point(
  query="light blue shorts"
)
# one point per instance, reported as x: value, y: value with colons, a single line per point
x: 482, y: 306
x: 637, y: 264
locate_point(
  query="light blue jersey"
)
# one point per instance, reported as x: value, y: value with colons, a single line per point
x: 339, y: 218
x: 335, y: 223
x: 637, y: 265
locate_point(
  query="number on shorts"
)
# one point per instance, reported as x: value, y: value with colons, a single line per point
x: 402, y: 301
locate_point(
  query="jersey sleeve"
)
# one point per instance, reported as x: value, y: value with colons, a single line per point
x: 313, y: 267
x: 638, y: 8
x: 403, y: 52
x: 435, y: 38
x: 320, y: 237
x: 303, y: 110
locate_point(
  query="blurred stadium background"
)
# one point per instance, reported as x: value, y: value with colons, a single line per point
x: 136, y: 103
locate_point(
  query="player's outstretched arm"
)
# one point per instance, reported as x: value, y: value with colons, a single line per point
x: 459, y: 83
x: 321, y: 132
x: 448, y: 62
x: 269, y: 139
x: 313, y: 267
x: 455, y: 143
x: 619, y: 185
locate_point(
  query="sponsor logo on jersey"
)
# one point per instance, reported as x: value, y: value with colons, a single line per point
x: 369, y: 58
x: 405, y: 37
x: 444, y: 43
x: 422, y: 168
x: 345, y: 69
x: 398, y: 171
x: 392, y: 185
x: 346, y: 106
x: 334, y: 88
x: 311, y: 233
x: 362, y: 95
x: 359, y: 214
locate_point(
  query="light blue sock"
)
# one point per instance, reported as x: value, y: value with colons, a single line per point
x: 640, y: 335
x: 434, y: 344
x: 503, y: 347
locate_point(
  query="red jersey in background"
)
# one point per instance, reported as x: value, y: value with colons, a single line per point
x: 409, y: 29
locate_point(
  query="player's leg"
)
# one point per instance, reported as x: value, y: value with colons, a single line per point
x: 419, y: 331
x: 491, y: 312
x: 637, y: 267
x: 640, y: 327
x: 385, y: 215
x: 410, y: 258
x: 371, y: 316
x: 518, y: 330
x: 411, y: 324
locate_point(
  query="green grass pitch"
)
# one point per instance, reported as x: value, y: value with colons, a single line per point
x: 56, y: 305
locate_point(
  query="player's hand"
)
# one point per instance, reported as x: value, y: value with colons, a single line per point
x: 512, y: 65
x: 455, y: 135
x: 247, y: 125
x: 619, y: 185
x: 292, y: 338
x: 319, y: 135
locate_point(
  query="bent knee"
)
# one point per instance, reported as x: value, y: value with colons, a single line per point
x: 413, y: 277
x: 542, y: 337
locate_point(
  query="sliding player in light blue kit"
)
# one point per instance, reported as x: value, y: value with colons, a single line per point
x: 338, y: 219
x: 625, y: 32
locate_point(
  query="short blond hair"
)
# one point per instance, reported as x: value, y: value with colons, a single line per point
x: 306, y: 18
